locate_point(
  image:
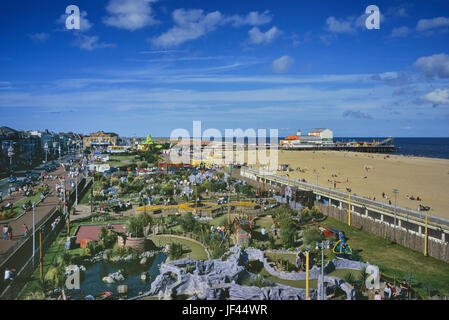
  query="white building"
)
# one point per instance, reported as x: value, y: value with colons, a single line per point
x: 325, y: 134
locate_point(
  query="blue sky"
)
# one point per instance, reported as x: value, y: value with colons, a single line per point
x: 139, y: 67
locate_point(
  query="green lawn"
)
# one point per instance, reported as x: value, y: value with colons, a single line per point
x: 396, y: 260
x: 192, y: 249
x: 263, y: 223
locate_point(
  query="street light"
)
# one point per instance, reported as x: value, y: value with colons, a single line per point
x: 46, y: 151
x: 321, y: 246
x: 10, y: 155
x: 34, y: 230
x: 349, y: 206
x: 426, y: 210
x: 395, y: 191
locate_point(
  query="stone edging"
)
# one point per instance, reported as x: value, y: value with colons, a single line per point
x: 314, y: 272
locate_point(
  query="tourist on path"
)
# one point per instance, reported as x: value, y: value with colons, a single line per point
x: 9, y: 232
x: 25, y: 230
x: 5, y: 232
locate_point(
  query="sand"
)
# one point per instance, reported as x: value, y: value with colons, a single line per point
x: 426, y: 178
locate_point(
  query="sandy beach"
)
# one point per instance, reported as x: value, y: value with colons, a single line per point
x: 370, y: 175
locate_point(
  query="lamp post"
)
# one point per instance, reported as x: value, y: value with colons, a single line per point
x: 55, y: 144
x: 426, y: 210
x: 10, y: 155
x: 395, y: 191
x: 34, y: 230
x: 76, y: 191
x: 46, y: 151
x: 321, y: 285
x: 349, y: 206
x: 307, y: 275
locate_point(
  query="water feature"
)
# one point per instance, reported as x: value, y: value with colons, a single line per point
x: 92, y: 284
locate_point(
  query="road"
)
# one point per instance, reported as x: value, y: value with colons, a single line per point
x: 4, y: 184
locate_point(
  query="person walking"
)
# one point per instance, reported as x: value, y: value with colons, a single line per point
x: 9, y: 232
x: 5, y: 232
x: 299, y: 256
x: 25, y: 230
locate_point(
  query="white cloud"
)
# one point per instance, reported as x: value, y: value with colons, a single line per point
x: 90, y: 43
x: 253, y: 18
x: 258, y: 37
x: 130, y: 14
x: 435, y: 66
x: 346, y: 25
x: 438, y: 96
x: 39, y: 37
x: 189, y: 25
x: 400, y: 32
x: 282, y: 64
x: 393, y: 78
x: 428, y: 24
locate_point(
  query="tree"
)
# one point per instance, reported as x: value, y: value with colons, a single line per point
x: 188, y: 223
x: 137, y: 223
x: 288, y: 232
x: 175, y: 250
x: 55, y: 276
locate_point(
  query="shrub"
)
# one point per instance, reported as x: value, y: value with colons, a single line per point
x: 93, y: 247
x: 175, y: 250
x: 311, y: 236
x: 119, y: 251
x: 218, y: 252
x: 258, y: 281
x: 107, y: 238
x: 55, y: 276
x: 188, y: 223
x: 288, y: 233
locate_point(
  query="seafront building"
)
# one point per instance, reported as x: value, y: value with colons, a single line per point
x: 101, y: 139
x: 320, y: 137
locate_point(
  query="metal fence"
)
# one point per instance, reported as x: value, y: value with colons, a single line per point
x: 20, y: 255
x: 342, y: 195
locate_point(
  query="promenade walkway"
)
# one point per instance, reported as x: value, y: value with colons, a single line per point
x: 41, y: 210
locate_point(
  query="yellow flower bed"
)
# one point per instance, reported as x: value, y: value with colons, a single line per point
x: 190, y: 206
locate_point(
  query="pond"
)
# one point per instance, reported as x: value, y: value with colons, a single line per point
x: 92, y: 283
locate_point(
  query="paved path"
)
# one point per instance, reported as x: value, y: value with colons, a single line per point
x: 41, y: 210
